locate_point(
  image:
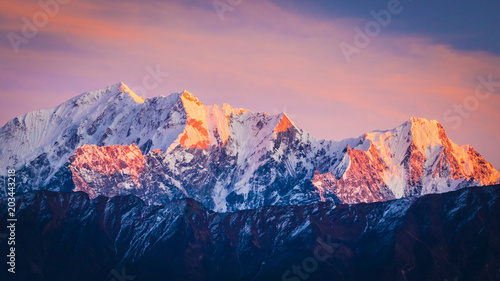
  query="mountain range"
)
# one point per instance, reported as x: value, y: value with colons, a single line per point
x: 112, y: 142
x: 68, y: 236
x: 115, y: 187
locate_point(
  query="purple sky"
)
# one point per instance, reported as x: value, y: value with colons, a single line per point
x: 257, y: 55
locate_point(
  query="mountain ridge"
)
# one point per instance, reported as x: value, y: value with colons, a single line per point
x: 433, y: 237
x: 228, y: 158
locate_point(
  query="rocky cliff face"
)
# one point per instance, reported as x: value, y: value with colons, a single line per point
x: 112, y: 142
x: 111, y: 166
x: 67, y: 236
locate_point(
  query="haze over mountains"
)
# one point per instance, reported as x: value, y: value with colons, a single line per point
x: 112, y: 142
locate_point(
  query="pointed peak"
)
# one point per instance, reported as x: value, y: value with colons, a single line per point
x: 284, y: 124
x: 120, y: 84
x: 187, y: 96
x: 417, y: 121
x: 422, y: 122
x: 283, y: 117
x: 125, y: 89
x: 240, y: 111
x: 226, y: 106
x: 228, y: 110
x: 423, y: 125
x: 94, y: 96
x: 426, y: 133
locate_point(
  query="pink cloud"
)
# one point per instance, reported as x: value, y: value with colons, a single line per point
x: 260, y: 57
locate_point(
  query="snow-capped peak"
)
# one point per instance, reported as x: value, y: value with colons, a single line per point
x: 284, y: 124
x: 426, y: 133
x: 209, y: 125
x: 190, y: 97
x: 228, y: 158
x: 125, y: 89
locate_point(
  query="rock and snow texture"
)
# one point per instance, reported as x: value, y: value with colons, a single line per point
x: 415, y: 158
x: 124, y: 164
x: 113, y: 142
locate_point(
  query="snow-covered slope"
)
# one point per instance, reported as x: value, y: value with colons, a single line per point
x: 40, y: 143
x: 167, y: 148
x: 415, y: 158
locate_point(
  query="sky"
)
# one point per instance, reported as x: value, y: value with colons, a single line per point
x: 337, y: 68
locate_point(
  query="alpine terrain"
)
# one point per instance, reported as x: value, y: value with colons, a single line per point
x: 114, y: 187
x: 112, y: 142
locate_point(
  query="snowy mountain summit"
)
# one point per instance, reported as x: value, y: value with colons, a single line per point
x: 113, y: 142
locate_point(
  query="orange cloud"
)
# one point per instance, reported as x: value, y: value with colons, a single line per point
x: 260, y: 57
